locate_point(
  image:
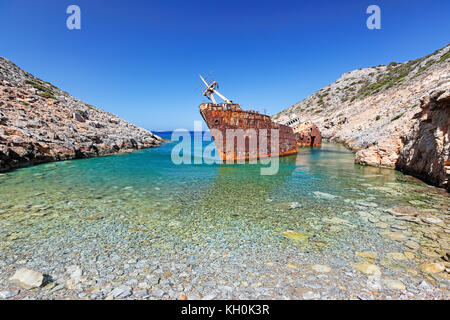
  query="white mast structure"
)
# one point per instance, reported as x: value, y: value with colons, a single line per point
x: 211, y: 89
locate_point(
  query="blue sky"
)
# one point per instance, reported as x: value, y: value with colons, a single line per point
x: 140, y: 59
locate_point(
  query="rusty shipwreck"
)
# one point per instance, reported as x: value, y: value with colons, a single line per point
x: 259, y: 130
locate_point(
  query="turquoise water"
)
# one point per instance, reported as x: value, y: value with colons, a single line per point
x: 147, y: 183
x: 144, y: 203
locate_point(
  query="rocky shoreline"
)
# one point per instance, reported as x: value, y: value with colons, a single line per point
x: 40, y: 123
x: 395, y: 116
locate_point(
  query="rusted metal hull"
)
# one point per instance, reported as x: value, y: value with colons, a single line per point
x: 256, y: 133
x: 308, y: 135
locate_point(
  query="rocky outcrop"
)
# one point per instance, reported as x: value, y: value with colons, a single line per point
x: 40, y: 123
x: 393, y: 116
x: 383, y: 154
x: 426, y: 148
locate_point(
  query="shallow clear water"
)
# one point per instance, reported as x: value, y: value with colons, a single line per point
x: 142, y: 205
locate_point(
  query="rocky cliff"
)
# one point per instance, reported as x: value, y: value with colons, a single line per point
x: 40, y: 123
x: 394, y: 116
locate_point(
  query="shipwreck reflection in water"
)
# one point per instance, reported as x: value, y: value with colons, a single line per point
x: 240, y: 186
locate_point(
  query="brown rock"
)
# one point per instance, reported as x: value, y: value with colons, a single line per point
x: 432, y: 267
x: 368, y: 268
x: 398, y: 236
x: 370, y: 255
x: 403, y: 211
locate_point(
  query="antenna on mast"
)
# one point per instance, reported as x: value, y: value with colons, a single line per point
x: 211, y: 88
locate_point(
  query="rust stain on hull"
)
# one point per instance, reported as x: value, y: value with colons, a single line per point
x: 308, y: 135
x: 221, y: 117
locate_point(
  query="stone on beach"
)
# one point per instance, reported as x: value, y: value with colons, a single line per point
x: 27, y: 279
x: 399, y: 236
x: 414, y: 219
x: 430, y: 252
x: 394, y: 284
x: 121, y: 292
x: 141, y: 293
x: 321, y: 268
x: 324, y: 195
x: 291, y: 265
x: 412, y: 245
x: 432, y: 220
x: 75, y: 273
x: 295, y: 235
x: 370, y: 255
x: 432, y: 267
x: 366, y: 204
x: 396, y: 256
x: 381, y: 225
x: 335, y: 229
x: 368, y: 268
x: 7, y: 294
x: 403, y: 211
x: 417, y: 202
x: 294, y: 205
x: 399, y: 227
x: 311, y: 295
x: 336, y: 220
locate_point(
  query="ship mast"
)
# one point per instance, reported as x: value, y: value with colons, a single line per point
x: 212, y: 88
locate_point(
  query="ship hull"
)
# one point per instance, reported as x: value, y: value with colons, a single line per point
x: 229, y: 125
x: 308, y: 135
